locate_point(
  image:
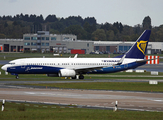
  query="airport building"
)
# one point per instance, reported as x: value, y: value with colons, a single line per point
x: 43, y: 41
x: 11, y: 45
x: 123, y: 46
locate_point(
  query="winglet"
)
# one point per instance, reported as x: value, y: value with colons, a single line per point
x: 121, y: 60
x: 76, y: 56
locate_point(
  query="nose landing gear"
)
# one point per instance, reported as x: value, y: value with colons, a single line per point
x: 17, y: 77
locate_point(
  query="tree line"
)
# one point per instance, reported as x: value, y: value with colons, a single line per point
x: 85, y: 29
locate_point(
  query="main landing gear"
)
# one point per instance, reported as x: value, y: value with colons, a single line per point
x: 81, y: 76
x: 78, y: 77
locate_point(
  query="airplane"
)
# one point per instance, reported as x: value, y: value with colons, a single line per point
x: 76, y: 67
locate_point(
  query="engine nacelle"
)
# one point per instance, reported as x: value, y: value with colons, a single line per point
x: 66, y: 73
x: 52, y: 75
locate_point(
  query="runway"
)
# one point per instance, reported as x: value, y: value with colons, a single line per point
x: 141, y: 101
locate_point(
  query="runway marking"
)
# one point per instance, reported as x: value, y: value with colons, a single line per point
x: 123, y: 103
x: 105, y: 103
x: 74, y: 104
x: 131, y: 105
x: 158, y: 100
x: 54, y: 94
x: 113, y: 103
x: 140, y: 106
x: 32, y: 93
x: 97, y: 105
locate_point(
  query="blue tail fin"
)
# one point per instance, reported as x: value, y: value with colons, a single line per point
x: 138, y: 50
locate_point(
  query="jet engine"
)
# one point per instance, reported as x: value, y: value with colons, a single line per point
x: 66, y: 73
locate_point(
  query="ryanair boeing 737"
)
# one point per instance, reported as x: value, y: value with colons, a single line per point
x: 71, y: 67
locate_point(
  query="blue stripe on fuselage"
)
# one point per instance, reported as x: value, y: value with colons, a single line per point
x: 33, y: 69
x: 118, y: 68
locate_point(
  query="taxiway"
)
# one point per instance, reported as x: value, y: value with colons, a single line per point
x: 142, y: 101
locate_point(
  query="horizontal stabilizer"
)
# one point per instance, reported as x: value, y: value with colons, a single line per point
x: 155, y: 61
x: 145, y: 60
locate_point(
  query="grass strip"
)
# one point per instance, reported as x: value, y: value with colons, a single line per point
x: 124, y: 86
x: 30, y: 112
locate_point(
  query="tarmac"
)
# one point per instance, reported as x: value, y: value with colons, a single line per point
x: 127, y: 100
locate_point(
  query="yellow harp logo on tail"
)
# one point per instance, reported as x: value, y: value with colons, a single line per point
x: 141, y: 46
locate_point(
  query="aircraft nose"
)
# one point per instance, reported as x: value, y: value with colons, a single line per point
x: 4, y: 67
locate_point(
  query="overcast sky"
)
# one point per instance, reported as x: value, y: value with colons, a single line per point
x: 129, y: 12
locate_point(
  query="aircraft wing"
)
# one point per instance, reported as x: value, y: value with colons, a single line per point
x: 88, y: 69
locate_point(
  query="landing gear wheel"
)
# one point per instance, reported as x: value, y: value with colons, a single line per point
x: 74, y: 77
x: 81, y: 77
x: 17, y: 77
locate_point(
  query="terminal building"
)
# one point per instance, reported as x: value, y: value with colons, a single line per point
x: 43, y: 42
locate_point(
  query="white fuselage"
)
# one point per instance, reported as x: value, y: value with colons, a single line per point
x: 78, y: 65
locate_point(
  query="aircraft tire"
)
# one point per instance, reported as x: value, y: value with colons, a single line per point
x: 74, y: 77
x: 17, y: 77
x: 81, y: 76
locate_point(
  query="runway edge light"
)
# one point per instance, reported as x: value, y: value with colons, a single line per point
x: 3, y: 105
x: 116, y: 106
